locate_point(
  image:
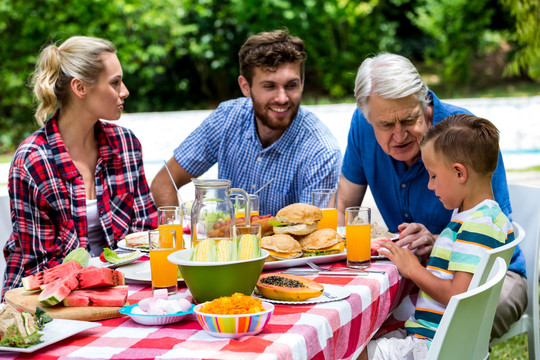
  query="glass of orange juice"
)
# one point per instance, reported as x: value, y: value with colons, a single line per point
x: 170, y: 217
x: 358, y: 236
x: 163, y: 272
x: 326, y: 200
x: 239, y: 207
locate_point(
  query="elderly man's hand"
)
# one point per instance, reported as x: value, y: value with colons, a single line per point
x: 417, y: 237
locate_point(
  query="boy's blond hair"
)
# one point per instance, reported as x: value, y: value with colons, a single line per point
x: 466, y: 139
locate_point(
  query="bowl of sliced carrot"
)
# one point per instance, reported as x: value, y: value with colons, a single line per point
x: 234, y: 316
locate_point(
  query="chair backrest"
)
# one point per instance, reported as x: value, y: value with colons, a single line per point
x: 526, y: 211
x: 488, y: 259
x: 5, y: 233
x: 465, y: 327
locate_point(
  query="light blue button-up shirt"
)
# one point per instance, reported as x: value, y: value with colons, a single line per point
x: 305, y: 157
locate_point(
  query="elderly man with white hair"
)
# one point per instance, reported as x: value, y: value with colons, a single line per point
x: 395, y: 109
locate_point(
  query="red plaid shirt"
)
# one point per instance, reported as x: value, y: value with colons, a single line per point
x: 48, y: 199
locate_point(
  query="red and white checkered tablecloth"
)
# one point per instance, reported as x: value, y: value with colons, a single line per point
x: 333, y: 330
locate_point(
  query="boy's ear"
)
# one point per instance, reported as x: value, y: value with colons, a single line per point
x: 244, y: 86
x: 461, y: 172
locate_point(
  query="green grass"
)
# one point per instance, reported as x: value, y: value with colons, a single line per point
x: 514, y: 348
x: 5, y: 158
x: 532, y: 168
x: 501, y: 89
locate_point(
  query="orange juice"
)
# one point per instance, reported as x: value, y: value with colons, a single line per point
x: 179, y: 231
x: 358, y: 242
x: 163, y: 272
x: 329, y: 219
x: 241, y: 214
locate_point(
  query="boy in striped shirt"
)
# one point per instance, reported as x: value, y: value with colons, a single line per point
x: 460, y: 154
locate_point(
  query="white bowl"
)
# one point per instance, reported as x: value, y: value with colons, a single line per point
x: 145, y: 319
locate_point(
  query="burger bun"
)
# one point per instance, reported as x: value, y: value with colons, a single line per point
x: 299, y: 219
x: 322, y: 242
x: 282, y: 246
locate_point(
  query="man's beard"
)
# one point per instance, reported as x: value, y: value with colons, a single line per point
x: 261, y: 113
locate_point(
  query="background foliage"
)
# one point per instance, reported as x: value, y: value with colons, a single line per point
x: 182, y: 54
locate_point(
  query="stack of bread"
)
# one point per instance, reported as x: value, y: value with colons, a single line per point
x: 296, y: 234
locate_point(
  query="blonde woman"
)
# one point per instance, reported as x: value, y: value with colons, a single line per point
x: 77, y: 181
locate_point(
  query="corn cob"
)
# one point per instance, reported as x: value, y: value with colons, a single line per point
x: 204, y: 251
x: 249, y: 247
x: 226, y: 250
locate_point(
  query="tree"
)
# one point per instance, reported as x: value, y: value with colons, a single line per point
x: 457, y: 27
x: 527, y: 56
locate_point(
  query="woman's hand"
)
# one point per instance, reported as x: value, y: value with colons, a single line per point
x: 417, y: 237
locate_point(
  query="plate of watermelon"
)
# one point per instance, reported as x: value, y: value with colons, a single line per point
x: 72, y: 292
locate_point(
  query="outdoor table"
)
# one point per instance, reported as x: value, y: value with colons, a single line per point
x: 330, y: 330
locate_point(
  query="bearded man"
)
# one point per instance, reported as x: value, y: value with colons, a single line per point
x: 262, y: 137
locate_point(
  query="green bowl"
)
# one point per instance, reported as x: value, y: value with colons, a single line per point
x: 209, y: 280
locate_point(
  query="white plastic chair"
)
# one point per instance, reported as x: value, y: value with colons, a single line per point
x: 525, y: 202
x: 466, y: 324
x: 5, y: 233
x: 488, y: 259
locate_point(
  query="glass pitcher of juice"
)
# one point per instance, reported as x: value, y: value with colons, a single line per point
x: 212, y: 212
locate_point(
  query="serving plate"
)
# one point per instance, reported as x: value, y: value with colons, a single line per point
x: 122, y: 245
x: 342, y: 230
x: 139, y: 271
x: 54, y: 331
x: 322, y: 259
x: 331, y: 293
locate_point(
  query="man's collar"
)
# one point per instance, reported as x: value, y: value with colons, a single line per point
x: 438, y: 115
x: 282, y: 144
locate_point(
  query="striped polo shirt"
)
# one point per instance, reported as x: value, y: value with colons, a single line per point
x: 459, y: 247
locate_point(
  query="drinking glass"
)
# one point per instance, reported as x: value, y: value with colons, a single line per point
x: 358, y: 238
x: 170, y: 217
x: 245, y: 252
x: 239, y: 230
x: 326, y: 200
x: 163, y: 272
x: 239, y: 206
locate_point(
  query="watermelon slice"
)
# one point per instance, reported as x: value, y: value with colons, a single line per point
x: 108, y: 296
x: 56, y: 291
x: 92, y: 277
x: 33, y: 282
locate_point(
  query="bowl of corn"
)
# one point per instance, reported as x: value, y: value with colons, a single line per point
x: 220, y: 268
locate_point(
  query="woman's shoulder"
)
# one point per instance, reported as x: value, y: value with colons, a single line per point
x: 35, y: 145
x: 114, y: 129
x: 119, y: 135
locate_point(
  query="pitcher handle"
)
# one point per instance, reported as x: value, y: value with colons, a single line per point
x: 247, y: 205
